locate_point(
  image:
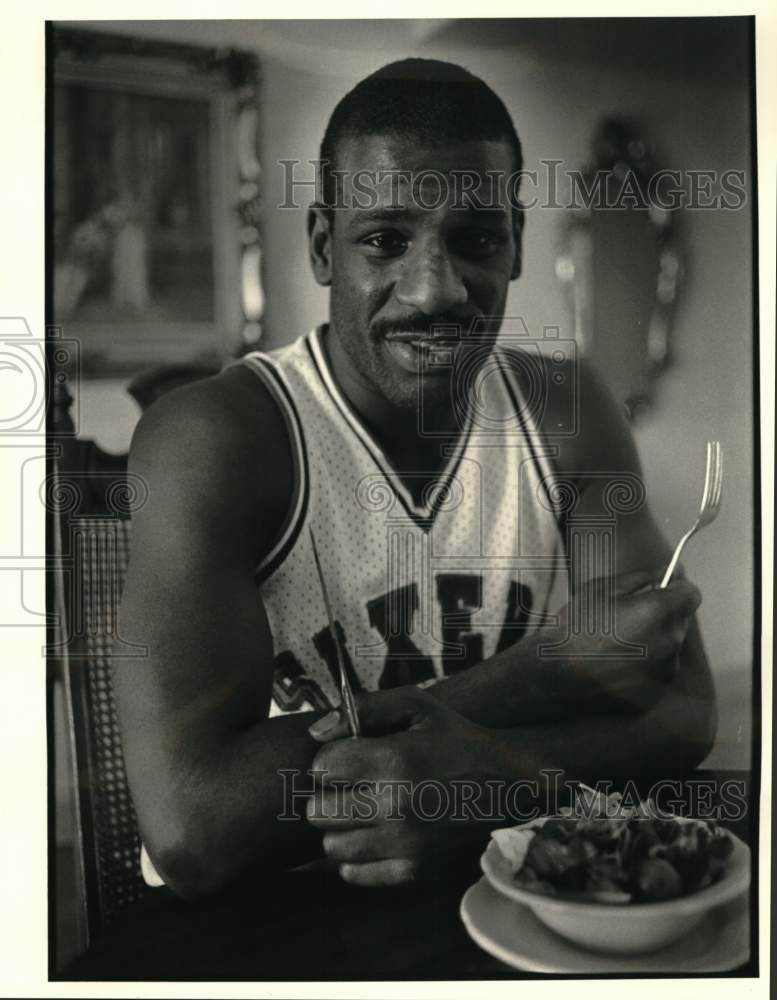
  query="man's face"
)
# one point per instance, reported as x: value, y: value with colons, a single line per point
x: 418, y: 251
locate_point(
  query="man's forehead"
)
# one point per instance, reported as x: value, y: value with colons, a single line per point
x: 390, y: 172
x: 403, y: 154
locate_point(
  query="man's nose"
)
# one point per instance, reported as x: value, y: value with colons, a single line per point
x: 430, y: 282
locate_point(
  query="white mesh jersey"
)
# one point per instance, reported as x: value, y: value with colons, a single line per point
x: 420, y: 588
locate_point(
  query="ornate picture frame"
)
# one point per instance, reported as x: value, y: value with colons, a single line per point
x: 154, y: 246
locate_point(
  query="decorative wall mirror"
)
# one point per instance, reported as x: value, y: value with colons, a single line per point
x: 622, y: 264
x: 156, y: 253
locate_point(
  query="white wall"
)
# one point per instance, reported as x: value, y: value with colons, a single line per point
x: 696, y: 124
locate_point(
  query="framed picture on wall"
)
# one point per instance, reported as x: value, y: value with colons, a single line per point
x: 150, y: 191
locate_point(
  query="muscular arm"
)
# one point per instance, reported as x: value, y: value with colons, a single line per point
x: 668, y: 740
x: 202, y: 756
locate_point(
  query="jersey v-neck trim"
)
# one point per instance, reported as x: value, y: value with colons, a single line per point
x: 438, y: 491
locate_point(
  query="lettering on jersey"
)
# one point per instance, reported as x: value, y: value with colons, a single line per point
x: 460, y: 596
x: 393, y: 615
x: 292, y: 690
x: 519, y: 605
x: 325, y: 646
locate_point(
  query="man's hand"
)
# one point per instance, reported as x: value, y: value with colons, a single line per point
x: 384, y: 802
x: 602, y: 676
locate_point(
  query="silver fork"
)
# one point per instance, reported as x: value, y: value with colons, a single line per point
x: 710, y: 504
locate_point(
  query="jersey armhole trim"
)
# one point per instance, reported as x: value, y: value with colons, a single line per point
x: 273, y: 379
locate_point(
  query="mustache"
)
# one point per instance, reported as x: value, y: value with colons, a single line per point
x: 424, y: 325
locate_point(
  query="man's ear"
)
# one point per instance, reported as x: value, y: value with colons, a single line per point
x: 518, y: 218
x: 320, y: 244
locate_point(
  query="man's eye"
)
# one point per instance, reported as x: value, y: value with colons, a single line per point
x: 387, y: 243
x: 479, y: 242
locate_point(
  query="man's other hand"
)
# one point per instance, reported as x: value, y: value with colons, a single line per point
x: 605, y: 623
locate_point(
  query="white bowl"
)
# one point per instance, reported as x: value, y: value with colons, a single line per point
x: 622, y: 928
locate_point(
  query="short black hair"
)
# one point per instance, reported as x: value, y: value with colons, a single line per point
x: 416, y: 99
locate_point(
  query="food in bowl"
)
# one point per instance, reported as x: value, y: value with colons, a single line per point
x: 631, y: 854
x: 577, y: 891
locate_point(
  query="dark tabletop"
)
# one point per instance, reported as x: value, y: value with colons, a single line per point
x: 307, y: 924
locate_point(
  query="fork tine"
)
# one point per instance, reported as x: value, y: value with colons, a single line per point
x: 719, y: 471
x: 708, y: 479
x: 715, y: 470
x: 713, y: 499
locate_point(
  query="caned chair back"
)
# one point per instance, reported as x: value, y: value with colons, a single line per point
x: 106, y: 827
x: 91, y: 531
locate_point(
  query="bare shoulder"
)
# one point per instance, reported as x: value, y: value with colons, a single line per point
x: 217, y: 452
x: 600, y: 451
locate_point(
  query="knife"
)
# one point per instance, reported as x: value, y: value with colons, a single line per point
x: 346, y: 693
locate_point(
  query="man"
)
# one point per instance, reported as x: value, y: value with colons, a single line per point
x: 402, y: 440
